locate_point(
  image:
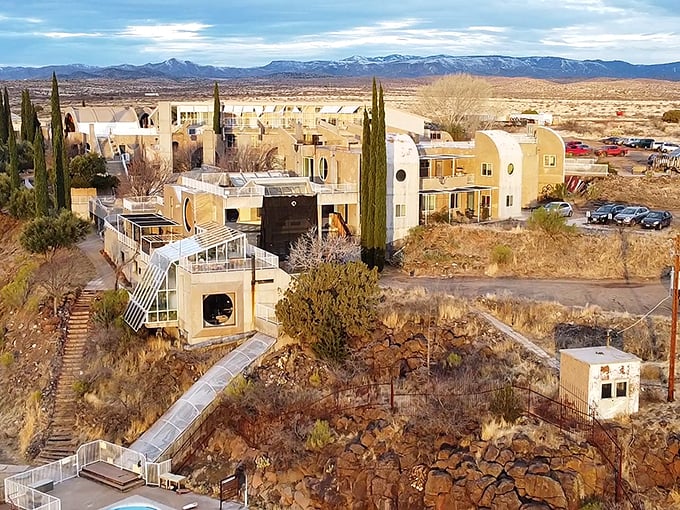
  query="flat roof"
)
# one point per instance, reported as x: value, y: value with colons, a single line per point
x: 445, y: 156
x: 149, y: 220
x: 600, y: 355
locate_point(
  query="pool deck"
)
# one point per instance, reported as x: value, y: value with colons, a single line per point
x: 81, y: 494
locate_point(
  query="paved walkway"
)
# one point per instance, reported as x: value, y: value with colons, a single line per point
x: 106, y: 279
x: 523, y: 341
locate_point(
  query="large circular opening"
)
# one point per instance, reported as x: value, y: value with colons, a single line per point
x: 218, y: 310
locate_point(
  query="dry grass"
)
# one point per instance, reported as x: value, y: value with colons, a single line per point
x: 661, y: 192
x: 554, y: 326
x: 32, y: 421
x: 449, y: 250
x: 418, y: 306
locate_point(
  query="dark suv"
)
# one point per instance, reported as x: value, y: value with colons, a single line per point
x: 642, y: 143
x: 604, y: 214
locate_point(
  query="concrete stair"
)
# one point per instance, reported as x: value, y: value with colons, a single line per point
x: 60, y: 442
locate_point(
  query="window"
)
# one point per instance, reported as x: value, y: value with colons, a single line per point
x: 549, y: 160
x: 508, y: 201
x: 454, y: 201
x: 400, y: 210
x: 400, y: 175
x: 424, y: 168
x: 429, y: 202
x: 621, y: 389
x: 308, y: 167
x: 486, y: 200
x: 323, y: 169
x: 487, y: 169
x: 606, y: 390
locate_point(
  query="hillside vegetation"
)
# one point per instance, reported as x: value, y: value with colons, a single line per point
x: 449, y: 250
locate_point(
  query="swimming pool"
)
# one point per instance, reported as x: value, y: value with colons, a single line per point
x: 135, y: 507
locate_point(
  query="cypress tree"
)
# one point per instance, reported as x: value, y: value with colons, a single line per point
x: 58, y: 146
x: 40, y: 175
x: 27, y: 117
x: 380, y: 165
x: 15, y: 179
x: 217, y: 108
x: 6, y: 115
x: 365, y: 190
x: 4, y: 133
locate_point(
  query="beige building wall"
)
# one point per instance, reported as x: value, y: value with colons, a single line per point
x: 486, y: 153
x: 550, y: 158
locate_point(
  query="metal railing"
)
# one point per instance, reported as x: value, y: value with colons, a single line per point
x: 208, y: 187
x: 263, y: 259
x: 585, y: 167
x: 344, y: 187
x: 141, y: 203
x: 267, y: 313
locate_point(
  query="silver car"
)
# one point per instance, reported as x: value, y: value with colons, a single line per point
x: 631, y: 215
x: 562, y: 208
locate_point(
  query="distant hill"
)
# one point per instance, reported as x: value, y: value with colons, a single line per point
x: 391, y: 66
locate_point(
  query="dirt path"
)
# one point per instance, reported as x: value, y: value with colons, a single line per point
x: 620, y: 296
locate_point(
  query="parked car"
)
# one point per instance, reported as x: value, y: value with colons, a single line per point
x: 657, y: 220
x: 642, y: 143
x: 605, y: 213
x: 631, y: 215
x: 657, y: 144
x: 611, y: 150
x: 612, y: 140
x: 631, y: 142
x: 562, y: 208
x: 668, y: 147
x: 571, y: 143
x: 578, y: 150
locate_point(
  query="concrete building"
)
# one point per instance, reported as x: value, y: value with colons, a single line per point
x: 600, y: 380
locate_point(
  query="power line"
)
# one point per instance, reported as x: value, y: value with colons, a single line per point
x: 644, y: 316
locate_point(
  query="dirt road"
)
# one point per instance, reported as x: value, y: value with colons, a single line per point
x: 620, y: 296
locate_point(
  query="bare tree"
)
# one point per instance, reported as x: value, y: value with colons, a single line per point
x: 186, y: 157
x: 250, y: 158
x: 309, y: 250
x: 57, y: 276
x: 144, y: 178
x: 458, y: 103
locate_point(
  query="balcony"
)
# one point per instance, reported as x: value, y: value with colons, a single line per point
x: 586, y: 167
x: 446, y: 183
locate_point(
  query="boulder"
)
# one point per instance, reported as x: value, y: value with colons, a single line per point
x: 542, y: 488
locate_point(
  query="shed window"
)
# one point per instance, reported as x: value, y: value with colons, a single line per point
x: 621, y: 389
x: 487, y: 169
x: 607, y: 390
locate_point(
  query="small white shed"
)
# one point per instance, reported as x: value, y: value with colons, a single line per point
x: 603, y: 379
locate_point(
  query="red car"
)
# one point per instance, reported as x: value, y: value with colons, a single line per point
x: 611, y: 150
x: 572, y: 143
x: 578, y: 150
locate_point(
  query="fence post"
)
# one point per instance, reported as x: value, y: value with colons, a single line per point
x: 619, y: 467
x: 391, y: 394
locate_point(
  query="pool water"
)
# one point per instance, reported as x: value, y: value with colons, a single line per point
x: 136, y: 507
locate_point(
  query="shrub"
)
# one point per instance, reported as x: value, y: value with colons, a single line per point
x: 328, y: 304
x: 16, y: 292
x: 672, y: 116
x: 453, y: 360
x: 80, y: 387
x: 505, y: 404
x: 238, y: 386
x: 6, y: 359
x: 22, y: 204
x: 108, y: 309
x: 5, y: 190
x: 549, y: 222
x: 501, y: 254
x: 320, y: 435
x: 529, y: 111
x: 592, y: 503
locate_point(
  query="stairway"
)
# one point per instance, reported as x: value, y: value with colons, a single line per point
x: 60, y: 442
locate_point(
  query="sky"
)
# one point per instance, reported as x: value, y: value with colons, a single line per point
x: 252, y: 33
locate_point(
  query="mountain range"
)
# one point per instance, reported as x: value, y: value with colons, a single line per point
x: 391, y: 66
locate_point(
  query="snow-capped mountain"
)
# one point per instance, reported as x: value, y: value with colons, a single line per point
x: 390, y: 66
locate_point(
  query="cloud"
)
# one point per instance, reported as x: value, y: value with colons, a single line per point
x: 384, y: 36
x: 19, y: 19
x: 68, y: 35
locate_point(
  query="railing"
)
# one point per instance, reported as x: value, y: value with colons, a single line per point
x: 119, y: 456
x: 267, y: 313
x: 584, y: 167
x: 345, y: 187
x: 263, y: 259
x: 20, y: 491
x: 140, y: 203
x: 208, y: 187
x: 442, y: 183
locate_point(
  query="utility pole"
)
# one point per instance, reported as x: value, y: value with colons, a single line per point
x: 674, y: 320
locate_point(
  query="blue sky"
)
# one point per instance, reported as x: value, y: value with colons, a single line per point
x: 255, y: 32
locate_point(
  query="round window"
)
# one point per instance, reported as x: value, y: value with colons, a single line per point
x: 188, y: 215
x: 400, y: 175
x: 323, y: 169
x: 511, y: 168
